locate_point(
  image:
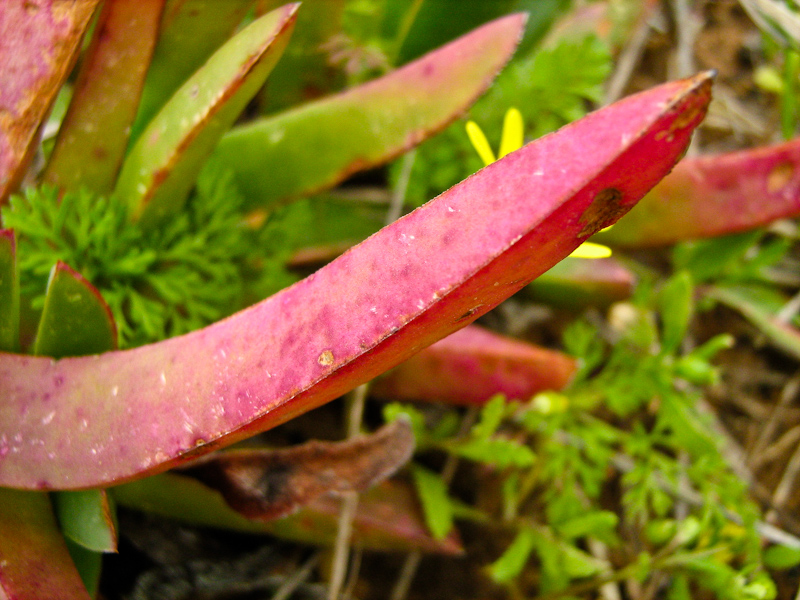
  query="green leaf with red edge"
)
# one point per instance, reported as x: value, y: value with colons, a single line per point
x: 131, y: 413
x: 715, y: 195
x: 34, y: 562
x: 388, y: 516
x: 161, y: 167
x: 190, y: 32
x: 470, y: 366
x: 75, y: 320
x: 38, y: 45
x: 321, y: 143
x: 93, y: 137
x: 9, y: 292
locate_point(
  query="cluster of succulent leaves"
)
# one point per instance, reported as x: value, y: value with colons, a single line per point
x: 624, y: 460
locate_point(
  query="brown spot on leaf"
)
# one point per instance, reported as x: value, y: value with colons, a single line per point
x: 471, y: 312
x: 604, y: 210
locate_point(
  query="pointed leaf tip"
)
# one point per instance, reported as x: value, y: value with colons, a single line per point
x: 124, y: 414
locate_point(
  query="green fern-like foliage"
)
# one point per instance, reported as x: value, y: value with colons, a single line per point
x: 189, y: 272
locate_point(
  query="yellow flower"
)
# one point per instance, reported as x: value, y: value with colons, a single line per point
x: 512, y: 139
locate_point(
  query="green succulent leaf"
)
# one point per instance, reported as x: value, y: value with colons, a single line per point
x: 162, y: 165
x: 75, y: 320
x: 317, y: 145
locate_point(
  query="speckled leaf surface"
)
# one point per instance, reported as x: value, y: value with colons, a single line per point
x: 94, y: 134
x: 34, y: 562
x: 162, y: 165
x: 319, y: 144
x: 38, y: 44
x: 388, y: 516
x: 716, y: 195
x: 125, y: 414
x: 473, y: 364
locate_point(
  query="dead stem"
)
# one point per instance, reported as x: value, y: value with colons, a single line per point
x: 341, y: 549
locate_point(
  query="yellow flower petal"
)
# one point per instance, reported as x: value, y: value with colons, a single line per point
x: 481, y: 144
x: 590, y: 250
x: 513, y: 136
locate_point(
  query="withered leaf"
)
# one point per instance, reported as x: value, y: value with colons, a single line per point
x: 267, y: 484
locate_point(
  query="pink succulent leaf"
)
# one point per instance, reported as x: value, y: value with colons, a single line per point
x: 90, y: 421
x: 473, y: 364
x: 716, y: 195
x: 38, y: 45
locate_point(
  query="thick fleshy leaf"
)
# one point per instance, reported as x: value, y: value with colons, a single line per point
x: 388, y: 516
x: 38, y: 43
x: 576, y: 282
x: 305, y: 71
x: 94, y: 134
x: 162, y: 165
x: 436, y: 23
x: 319, y: 144
x: 9, y: 292
x: 34, y: 562
x: 190, y: 32
x: 716, y: 195
x: 267, y: 484
x: 472, y: 365
x: 129, y: 413
x: 75, y: 320
x: 87, y: 519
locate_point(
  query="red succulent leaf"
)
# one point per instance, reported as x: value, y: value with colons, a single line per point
x: 38, y: 44
x: 472, y: 365
x: 716, y: 195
